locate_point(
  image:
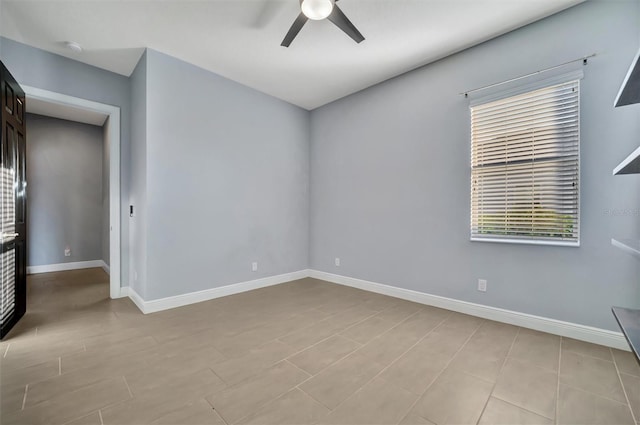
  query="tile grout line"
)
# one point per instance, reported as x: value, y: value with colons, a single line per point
x: 443, y: 369
x: 277, y: 339
x: 624, y: 390
x: 557, y: 414
x: 224, y: 421
x: 24, y: 397
x: 325, y: 339
x: 319, y: 372
x: 338, y: 333
x: 385, y: 332
x: 244, y: 381
x: 344, y: 357
x: 396, y: 359
x: 582, y: 390
x: 127, y: 384
x: 521, y: 408
x: 589, y: 356
x: 332, y: 316
x: 279, y: 396
x: 493, y: 388
x: 350, y: 339
x: 315, y: 399
x: 370, y: 317
x: 591, y: 392
x: 401, y: 354
x: 109, y: 405
x: 219, y: 377
x: 286, y: 359
x: 299, y: 368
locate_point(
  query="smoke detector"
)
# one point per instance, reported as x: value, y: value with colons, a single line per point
x: 72, y: 45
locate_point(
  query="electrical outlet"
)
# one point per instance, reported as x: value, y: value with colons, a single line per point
x: 254, y: 266
x: 482, y: 285
x: 337, y: 262
x: 67, y: 252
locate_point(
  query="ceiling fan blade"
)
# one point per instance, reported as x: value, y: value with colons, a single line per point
x: 342, y: 22
x: 294, y: 30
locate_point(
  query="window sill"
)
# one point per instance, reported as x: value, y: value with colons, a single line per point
x: 572, y: 244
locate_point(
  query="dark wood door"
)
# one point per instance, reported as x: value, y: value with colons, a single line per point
x: 13, y: 294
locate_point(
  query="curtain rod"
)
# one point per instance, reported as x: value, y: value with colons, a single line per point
x: 584, y: 60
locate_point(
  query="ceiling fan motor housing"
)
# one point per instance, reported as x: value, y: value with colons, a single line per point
x: 317, y: 9
x: 321, y: 9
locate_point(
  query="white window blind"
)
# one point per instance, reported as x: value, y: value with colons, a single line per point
x: 525, y: 153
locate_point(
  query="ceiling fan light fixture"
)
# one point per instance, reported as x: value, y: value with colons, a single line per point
x: 317, y: 9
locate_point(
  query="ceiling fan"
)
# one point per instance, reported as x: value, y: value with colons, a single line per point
x: 321, y: 9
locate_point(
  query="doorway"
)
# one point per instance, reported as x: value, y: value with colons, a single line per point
x: 112, y: 139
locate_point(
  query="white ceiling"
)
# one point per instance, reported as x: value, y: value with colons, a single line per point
x: 65, y: 112
x: 240, y: 39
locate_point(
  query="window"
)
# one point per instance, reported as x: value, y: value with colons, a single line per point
x: 525, y: 167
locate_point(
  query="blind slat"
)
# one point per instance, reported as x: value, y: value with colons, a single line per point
x: 524, y: 166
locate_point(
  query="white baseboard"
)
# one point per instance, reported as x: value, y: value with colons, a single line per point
x: 137, y: 299
x: 543, y: 324
x: 124, y: 292
x: 65, y: 266
x: 105, y: 267
x: 153, y: 306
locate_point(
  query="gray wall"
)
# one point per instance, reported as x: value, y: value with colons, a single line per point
x: 37, y: 68
x: 227, y: 181
x: 64, y: 171
x: 390, y: 177
x: 138, y: 191
x: 220, y: 174
x: 105, y: 193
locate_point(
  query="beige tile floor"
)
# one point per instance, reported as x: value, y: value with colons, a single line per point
x: 304, y: 352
